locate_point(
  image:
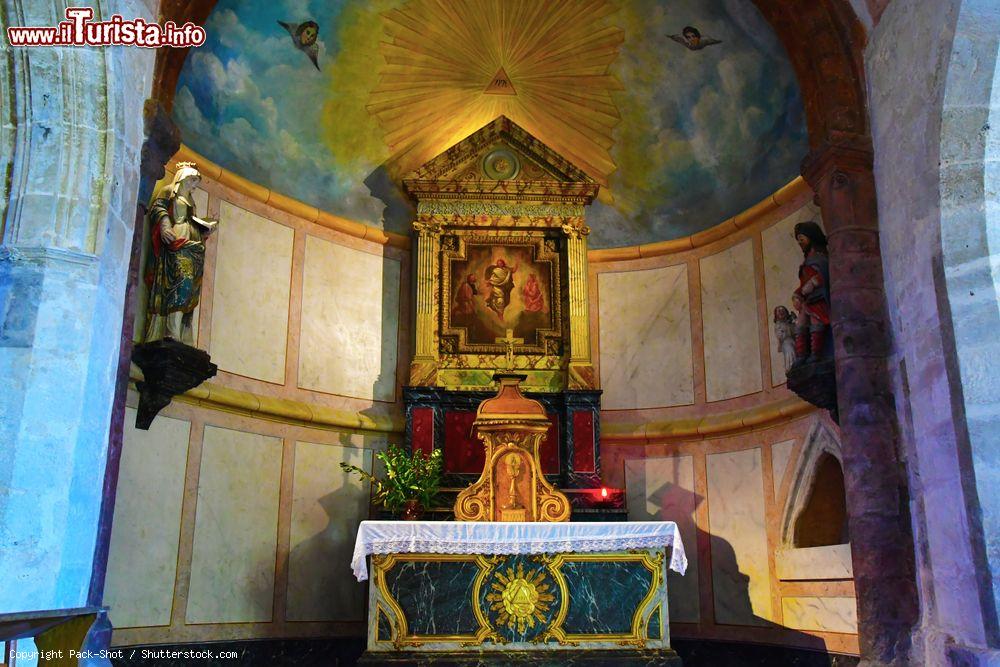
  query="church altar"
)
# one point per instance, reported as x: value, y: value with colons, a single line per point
x: 477, y: 588
x: 502, y: 382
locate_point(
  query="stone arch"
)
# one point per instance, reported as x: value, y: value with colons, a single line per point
x: 819, y: 442
x: 825, y: 42
x: 970, y: 265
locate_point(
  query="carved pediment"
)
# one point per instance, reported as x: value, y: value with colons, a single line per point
x: 497, y: 161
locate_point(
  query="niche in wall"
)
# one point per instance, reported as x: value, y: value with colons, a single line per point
x: 814, y: 537
x: 822, y: 521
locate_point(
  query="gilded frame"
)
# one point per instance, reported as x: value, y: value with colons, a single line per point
x: 545, y: 246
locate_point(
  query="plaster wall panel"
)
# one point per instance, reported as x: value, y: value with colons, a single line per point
x: 662, y: 489
x: 350, y: 321
x: 235, y: 532
x: 729, y: 318
x: 781, y: 452
x: 821, y: 614
x: 327, y: 506
x: 645, y: 338
x: 253, y: 273
x: 142, y: 563
x: 782, y: 257
x: 740, y: 575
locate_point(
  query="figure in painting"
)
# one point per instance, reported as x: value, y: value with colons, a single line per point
x: 691, y: 38
x: 304, y: 37
x: 531, y: 295
x: 784, y: 331
x: 465, y: 299
x: 501, y: 280
x: 178, y: 260
x: 812, y: 299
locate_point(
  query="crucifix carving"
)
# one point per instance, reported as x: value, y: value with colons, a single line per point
x: 508, y: 342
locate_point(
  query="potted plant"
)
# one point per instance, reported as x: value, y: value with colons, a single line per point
x: 411, y: 482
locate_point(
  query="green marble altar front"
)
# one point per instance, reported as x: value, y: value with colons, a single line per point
x: 423, y: 604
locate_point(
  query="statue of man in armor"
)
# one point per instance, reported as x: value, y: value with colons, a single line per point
x: 812, y: 298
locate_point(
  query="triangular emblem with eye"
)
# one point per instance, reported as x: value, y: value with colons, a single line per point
x: 500, y: 84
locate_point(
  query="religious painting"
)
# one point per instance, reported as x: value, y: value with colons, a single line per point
x: 494, y: 288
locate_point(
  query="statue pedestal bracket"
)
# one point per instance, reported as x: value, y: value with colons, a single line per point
x: 169, y: 368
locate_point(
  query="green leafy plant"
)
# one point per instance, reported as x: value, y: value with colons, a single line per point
x: 408, y: 476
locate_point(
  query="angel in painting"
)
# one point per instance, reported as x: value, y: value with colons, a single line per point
x: 691, y: 39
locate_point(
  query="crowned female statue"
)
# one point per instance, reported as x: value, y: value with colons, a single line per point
x: 178, y: 259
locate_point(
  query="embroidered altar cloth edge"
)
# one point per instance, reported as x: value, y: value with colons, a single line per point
x: 508, y: 537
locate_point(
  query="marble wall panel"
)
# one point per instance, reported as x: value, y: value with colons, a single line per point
x: 662, y: 489
x: 142, y: 563
x: 740, y: 574
x: 781, y: 452
x: 350, y: 321
x: 645, y: 338
x: 235, y: 533
x: 729, y: 319
x: 814, y: 563
x: 782, y: 257
x: 253, y: 273
x: 327, y: 506
x: 821, y: 614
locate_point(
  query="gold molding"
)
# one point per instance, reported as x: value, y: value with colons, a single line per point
x: 788, y: 199
x: 640, y: 617
x: 784, y: 201
x: 382, y: 563
x: 699, y: 428
x: 216, y: 397
x: 284, y: 203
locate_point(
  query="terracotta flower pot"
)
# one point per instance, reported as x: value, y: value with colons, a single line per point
x: 412, y: 511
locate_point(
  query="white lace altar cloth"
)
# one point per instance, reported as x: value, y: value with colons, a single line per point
x: 485, y: 537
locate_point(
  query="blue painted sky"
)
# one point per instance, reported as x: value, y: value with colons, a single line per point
x: 703, y: 135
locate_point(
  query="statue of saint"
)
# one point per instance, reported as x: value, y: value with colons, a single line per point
x: 501, y: 280
x: 178, y: 258
x: 812, y: 298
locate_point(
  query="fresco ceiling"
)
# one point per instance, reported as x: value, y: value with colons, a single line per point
x: 332, y: 101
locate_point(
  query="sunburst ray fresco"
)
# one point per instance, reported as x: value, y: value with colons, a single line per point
x: 446, y: 61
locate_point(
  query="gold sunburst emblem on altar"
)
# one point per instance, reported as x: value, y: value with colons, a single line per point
x: 452, y: 66
x: 520, y: 599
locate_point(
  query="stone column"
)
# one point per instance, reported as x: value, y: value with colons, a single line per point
x: 423, y: 368
x: 581, y: 369
x: 163, y: 140
x: 877, y: 497
x: 67, y: 239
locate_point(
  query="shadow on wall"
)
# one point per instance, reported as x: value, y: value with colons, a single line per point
x: 731, y: 586
x: 320, y: 584
x: 398, y: 212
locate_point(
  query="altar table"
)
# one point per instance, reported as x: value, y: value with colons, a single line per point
x: 454, y: 589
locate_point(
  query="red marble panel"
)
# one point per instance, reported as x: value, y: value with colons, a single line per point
x: 583, y: 441
x: 463, y: 452
x: 548, y: 451
x: 422, y: 429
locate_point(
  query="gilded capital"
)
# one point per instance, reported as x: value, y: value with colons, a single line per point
x: 575, y: 228
x: 428, y: 227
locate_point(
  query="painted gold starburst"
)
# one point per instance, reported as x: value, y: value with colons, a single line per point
x: 520, y: 599
x: 452, y: 66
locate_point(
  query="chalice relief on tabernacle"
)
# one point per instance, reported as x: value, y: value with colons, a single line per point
x: 514, y: 463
